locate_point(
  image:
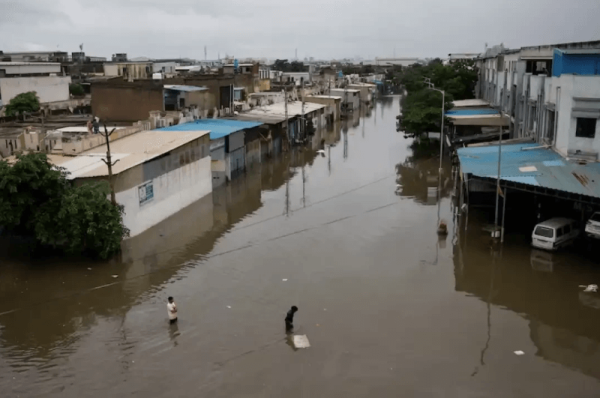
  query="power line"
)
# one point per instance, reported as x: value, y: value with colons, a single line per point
x: 203, y: 259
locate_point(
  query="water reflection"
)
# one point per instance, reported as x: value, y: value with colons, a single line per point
x: 564, y: 326
x: 51, y: 298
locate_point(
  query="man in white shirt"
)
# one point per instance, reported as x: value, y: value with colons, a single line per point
x: 172, y: 310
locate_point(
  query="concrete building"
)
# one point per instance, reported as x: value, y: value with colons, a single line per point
x: 118, y: 100
x: 553, y: 106
x: 42, y: 77
x: 530, y: 88
x: 397, y: 61
x: 297, y: 78
x: 455, y: 57
x: 34, y: 56
x: 350, y: 99
x: 333, y: 111
x: 130, y: 70
x: 366, y: 91
x: 227, y: 145
x: 158, y: 173
x: 265, y: 98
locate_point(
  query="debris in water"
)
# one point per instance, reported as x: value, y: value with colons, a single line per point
x: 115, y: 276
x: 301, y: 341
x: 284, y: 280
x: 590, y: 288
x: 89, y: 269
x: 519, y: 353
x: 228, y: 306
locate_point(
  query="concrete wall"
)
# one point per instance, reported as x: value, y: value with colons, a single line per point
x: 570, y: 86
x: 134, y: 70
x: 29, y: 69
x: 333, y: 105
x: 78, y: 144
x: 48, y: 88
x: 212, y: 82
x: 175, y: 185
x: 352, y: 97
x: 172, y: 192
x: 126, y: 102
x: 8, y: 145
x: 264, y: 84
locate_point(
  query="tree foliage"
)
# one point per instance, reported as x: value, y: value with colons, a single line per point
x: 76, y: 89
x: 422, y: 108
x: 284, y: 66
x: 22, y: 103
x: 37, y: 200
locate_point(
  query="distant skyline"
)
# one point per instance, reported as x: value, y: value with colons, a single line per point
x: 274, y: 29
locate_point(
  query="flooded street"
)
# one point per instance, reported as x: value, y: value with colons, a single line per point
x: 389, y: 310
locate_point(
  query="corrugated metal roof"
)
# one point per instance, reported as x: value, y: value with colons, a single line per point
x: 180, y: 87
x: 218, y: 128
x: 471, y: 112
x: 131, y: 151
x: 536, y: 166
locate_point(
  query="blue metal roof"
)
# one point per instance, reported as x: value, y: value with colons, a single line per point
x: 539, y: 167
x: 218, y: 128
x: 471, y: 112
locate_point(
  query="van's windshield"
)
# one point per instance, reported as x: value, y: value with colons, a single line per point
x: 544, y: 232
x: 595, y: 217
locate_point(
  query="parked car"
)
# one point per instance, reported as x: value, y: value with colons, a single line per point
x: 554, y: 233
x: 592, y: 227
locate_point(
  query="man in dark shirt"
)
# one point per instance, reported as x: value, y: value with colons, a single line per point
x: 289, y: 319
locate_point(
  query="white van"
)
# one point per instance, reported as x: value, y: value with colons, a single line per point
x: 592, y: 228
x: 554, y: 233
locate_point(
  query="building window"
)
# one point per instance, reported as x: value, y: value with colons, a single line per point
x: 586, y: 127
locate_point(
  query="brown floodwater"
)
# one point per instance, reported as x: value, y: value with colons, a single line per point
x: 389, y: 309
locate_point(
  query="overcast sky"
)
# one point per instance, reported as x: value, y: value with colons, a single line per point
x: 323, y: 29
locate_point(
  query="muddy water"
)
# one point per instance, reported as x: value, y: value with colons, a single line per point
x: 389, y: 309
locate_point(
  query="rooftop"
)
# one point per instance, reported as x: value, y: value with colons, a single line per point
x: 9, y: 63
x: 130, y: 151
x: 532, y: 165
x: 578, y: 51
x: 470, y: 103
x: 350, y: 90
x: 293, y: 108
x: 471, y: 112
x: 325, y: 96
x: 180, y: 87
x: 218, y: 128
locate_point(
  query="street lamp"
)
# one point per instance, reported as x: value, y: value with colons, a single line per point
x: 428, y: 82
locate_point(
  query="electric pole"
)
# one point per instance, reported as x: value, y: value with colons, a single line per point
x: 108, y: 161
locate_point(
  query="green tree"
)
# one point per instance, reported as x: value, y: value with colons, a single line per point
x: 25, y: 187
x: 76, y: 89
x: 37, y: 200
x: 281, y: 65
x: 22, y: 103
x: 85, y: 221
x: 422, y: 111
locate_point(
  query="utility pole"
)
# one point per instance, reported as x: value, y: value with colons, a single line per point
x: 303, y: 125
x: 108, y: 161
x: 498, y: 183
x: 287, y: 123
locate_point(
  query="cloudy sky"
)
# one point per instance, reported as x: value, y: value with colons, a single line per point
x: 323, y: 29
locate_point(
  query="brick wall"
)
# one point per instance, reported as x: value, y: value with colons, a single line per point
x: 126, y: 102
